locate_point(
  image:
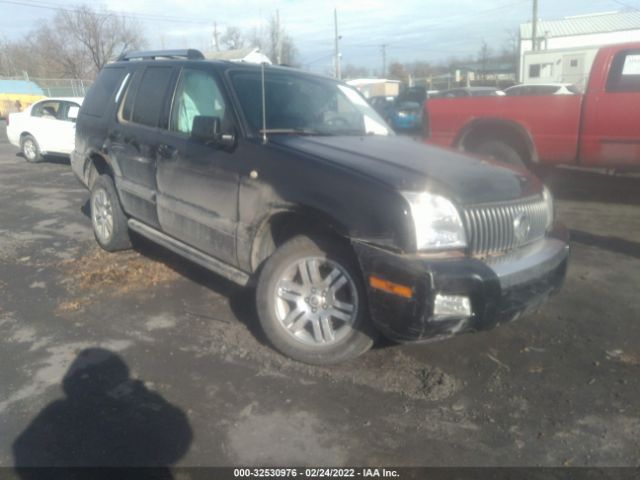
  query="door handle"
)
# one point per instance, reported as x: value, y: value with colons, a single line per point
x: 167, y: 151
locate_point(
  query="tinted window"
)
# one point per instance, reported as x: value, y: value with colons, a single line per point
x: 150, y: 95
x: 544, y: 90
x: 624, y: 75
x: 102, y: 91
x: 197, y: 95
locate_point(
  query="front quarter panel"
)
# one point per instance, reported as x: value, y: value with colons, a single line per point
x: 277, y: 179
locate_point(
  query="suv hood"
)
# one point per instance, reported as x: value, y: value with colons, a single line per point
x: 408, y: 165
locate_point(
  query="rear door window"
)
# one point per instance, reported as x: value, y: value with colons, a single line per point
x: 150, y: 96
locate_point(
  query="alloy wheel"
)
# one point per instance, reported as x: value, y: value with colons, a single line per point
x: 316, y: 301
x: 29, y: 149
x: 102, y: 215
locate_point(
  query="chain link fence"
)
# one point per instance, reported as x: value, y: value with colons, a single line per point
x: 57, y: 87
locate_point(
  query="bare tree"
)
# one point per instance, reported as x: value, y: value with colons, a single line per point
x: 76, y: 43
x: 101, y: 36
x: 233, y: 38
x: 484, y: 57
x: 397, y: 71
x: 352, y: 71
x: 274, y: 42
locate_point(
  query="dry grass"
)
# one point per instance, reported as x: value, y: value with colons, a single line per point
x: 110, y: 275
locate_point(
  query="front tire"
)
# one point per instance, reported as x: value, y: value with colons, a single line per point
x: 312, y: 303
x: 30, y: 149
x: 107, y: 217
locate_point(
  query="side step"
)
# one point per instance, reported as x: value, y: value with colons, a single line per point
x: 190, y: 253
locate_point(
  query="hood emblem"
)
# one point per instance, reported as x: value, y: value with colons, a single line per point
x: 521, y: 227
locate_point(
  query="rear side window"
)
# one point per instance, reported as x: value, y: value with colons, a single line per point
x: 150, y: 96
x: 624, y: 75
x: 102, y: 91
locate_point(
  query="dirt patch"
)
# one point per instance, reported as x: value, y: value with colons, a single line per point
x: 383, y: 370
x: 111, y: 275
x: 626, y: 358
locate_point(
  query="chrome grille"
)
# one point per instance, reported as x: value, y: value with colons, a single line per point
x: 494, y: 228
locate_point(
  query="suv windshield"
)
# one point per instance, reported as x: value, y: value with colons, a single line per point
x: 306, y: 105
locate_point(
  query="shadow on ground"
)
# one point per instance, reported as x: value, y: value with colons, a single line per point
x: 612, y: 244
x: 105, y: 419
x: 577, y: 185
x: 52, y: 159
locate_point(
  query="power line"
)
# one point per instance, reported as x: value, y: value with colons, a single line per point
x: 135, y: 16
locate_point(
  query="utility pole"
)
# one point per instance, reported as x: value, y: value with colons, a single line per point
x: 216, y: 45
x: 383, y: 47
x: 534, y: 27
x: 278, y: 39
x: 337, y: 45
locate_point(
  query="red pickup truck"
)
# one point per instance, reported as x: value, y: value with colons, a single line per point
x: 600, y: 128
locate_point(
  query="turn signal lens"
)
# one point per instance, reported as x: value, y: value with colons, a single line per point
x: 390, y: 287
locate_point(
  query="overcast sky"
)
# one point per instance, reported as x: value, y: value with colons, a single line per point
x: 429, y: 30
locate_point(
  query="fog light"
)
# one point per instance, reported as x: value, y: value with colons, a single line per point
x: 451, y: 306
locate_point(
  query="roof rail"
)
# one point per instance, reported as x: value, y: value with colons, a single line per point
x: 190, y: 54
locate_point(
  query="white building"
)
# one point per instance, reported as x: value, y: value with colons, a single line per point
x: 566, y: 48
x: 376, y: 87
x: 248, y: 55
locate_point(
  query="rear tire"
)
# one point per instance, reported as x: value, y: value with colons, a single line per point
x: 312, y: 303
x: 30, y: 149
x: 107, y: 217
x: 501, y: 152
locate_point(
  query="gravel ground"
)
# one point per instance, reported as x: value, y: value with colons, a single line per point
x: 177, y: 372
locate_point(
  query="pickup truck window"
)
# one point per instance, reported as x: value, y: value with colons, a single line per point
x: 624, y: 75
x: 305, y: 105
x: 197, y: 94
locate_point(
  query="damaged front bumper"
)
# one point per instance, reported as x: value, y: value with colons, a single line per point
x: 456, y: 295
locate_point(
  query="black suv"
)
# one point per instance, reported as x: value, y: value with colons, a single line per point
x: 291, y: 181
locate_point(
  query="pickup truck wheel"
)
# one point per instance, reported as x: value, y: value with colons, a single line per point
x: 312, y: 303
x: 501, y: 152
x: 107, y: 218
x: 30, y: 149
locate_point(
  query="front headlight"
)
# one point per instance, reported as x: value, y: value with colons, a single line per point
x: 548, y: 201
x: 436, y: 220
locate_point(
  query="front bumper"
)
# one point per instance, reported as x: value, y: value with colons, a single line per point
x: 500, y: 289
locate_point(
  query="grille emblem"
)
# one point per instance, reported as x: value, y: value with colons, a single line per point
x: 521, y: 227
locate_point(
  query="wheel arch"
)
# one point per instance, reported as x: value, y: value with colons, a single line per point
x: 480, y: 131
x: 285, y: 223
x: 98, y: 164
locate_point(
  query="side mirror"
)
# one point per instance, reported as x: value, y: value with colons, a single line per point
x: 72, y: 114
x: 208, y: 130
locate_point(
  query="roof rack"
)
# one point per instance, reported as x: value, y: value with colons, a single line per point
x: 189, y: 54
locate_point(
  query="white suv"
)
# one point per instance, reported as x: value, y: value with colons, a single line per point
x: 46, y: 127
